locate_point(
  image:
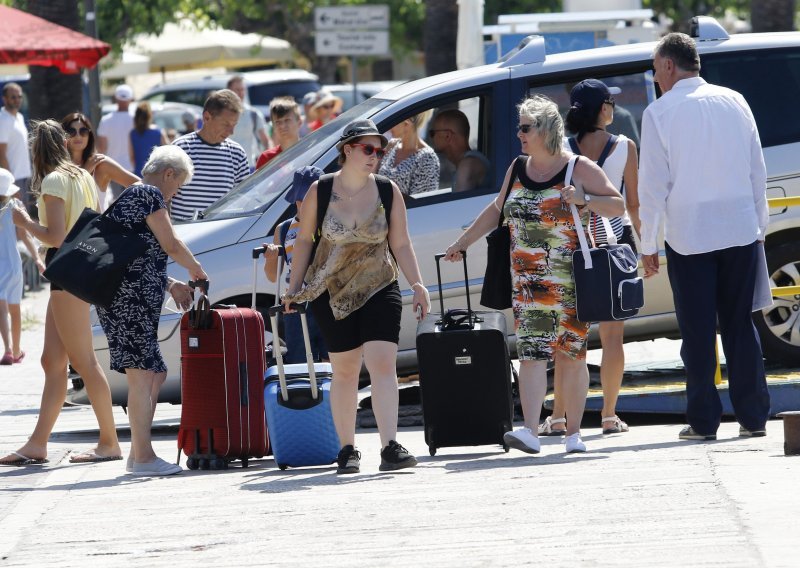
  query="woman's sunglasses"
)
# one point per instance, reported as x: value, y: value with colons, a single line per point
x: 525, y: 128
x: 83, y: 131
x: 611, y: 102
x: 369, y: 149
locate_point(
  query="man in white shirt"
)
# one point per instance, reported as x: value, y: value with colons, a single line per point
x: 702, y: 173
x: 14, y: 154
x: 251, y: 130
x: 114, y: 131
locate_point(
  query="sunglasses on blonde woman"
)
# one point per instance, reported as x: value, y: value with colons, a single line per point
x: 83, y: 131
x: 525, y: 128
x: 369, y: 149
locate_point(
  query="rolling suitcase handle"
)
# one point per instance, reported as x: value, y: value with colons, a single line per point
x: 470, y: 314
x: 276, y: 347
x: 200, y: 313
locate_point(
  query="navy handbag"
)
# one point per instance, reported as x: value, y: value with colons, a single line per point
x: 607, y: 284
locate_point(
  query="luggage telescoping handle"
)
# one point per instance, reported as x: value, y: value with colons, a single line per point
x: 438, y: 257
x: 257, y: 252
x: 276, y: 309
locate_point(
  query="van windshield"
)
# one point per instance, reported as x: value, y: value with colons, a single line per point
x: 257, y: 192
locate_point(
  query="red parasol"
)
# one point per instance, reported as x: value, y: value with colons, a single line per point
x: 28, y: 39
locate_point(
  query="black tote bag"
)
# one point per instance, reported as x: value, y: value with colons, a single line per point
x: 496, y: 290
x: 93, y: 259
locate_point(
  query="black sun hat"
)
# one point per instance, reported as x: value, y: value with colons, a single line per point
x: 357, y: 129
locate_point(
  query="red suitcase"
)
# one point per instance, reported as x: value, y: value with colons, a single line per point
x: 222, y: 386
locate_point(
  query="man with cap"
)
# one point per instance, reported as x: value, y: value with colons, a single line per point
x: 114, y: 131
x: 702, y: 174
x: 285, y: 236
x: 14, y: 154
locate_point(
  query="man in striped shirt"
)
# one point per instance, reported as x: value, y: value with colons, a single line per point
x: 219, y: 162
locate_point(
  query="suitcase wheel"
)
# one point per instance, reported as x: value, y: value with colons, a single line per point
x: 282, y: 466
x: 219, y: 463
x: 192, y: 463
x: 204, y: 463
x: 505, y: 448
x: 432, y: 450
x: 244, y: 462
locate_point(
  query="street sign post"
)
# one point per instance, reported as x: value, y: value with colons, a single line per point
x: 352, y: 30
x: 341, y: 42
x: 366, y: 17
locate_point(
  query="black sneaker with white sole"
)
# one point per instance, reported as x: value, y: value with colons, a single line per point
x: 348, y: 460
x: 758, y: 433
x: 394, y: 456
x: 689, y: 433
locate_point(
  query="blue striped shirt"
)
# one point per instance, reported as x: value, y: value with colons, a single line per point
x: 217, y: 168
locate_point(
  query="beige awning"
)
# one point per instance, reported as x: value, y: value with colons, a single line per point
x: 182, y: 46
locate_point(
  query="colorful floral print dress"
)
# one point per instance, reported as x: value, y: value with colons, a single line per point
x: 543, y: 238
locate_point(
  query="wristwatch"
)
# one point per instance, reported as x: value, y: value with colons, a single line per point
x: 587, y: 198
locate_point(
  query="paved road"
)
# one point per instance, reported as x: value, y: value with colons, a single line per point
x: 638, y: 499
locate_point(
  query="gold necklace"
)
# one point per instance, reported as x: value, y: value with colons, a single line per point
x: 350, y: 197
x: 549, y: 172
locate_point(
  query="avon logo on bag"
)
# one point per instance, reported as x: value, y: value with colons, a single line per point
x: 86, y: 247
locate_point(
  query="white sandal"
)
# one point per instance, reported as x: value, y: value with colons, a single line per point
x: 546, y: 427
x: 619, y: 425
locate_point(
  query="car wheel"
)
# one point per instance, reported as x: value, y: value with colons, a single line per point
x: 779, y: 325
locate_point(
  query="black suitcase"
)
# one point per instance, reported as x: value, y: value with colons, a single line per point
x: 464, y: 375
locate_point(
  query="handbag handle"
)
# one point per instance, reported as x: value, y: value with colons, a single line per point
x: 612, y: 239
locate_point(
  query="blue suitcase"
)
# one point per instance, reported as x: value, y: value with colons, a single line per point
x: 298, y: 404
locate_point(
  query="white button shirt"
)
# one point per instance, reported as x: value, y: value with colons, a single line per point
x: 701, y: 170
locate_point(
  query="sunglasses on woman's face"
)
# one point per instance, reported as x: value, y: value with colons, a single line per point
x: 611, y: 102
x: 369, y: 149
x: 525, y: 128
x: 83, y: 131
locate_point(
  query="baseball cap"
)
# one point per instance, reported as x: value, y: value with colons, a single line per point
x: 123, y: 93
x: 310, y: 98
x: 303, y: 178
x: 590, y: 94
x: 7, y: 185
x: 357, y: 129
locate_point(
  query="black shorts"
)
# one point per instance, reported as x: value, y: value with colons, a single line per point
x: 51, y: 252
x: 377, y: 320
x: 627, y: 238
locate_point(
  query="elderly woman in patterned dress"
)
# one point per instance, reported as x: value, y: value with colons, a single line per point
x: 131, y: 322
x: 409, y: 161
x: 535, y: 199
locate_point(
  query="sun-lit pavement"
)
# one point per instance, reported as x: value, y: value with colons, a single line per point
x: 643, y: 498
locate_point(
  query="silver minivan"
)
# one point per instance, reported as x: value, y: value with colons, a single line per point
x: 765, y: 68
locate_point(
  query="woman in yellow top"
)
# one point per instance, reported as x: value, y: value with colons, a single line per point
x: 64, y: 190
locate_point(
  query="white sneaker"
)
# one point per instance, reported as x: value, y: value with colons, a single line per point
x: 522, y: 439
x: 156, y: 467
x: 574, y: 443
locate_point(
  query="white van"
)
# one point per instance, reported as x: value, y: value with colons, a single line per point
x: 765, y: 68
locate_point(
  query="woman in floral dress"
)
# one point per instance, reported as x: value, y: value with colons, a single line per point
x: 535, y: 199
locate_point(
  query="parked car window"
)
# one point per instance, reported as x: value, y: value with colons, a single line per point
x: 637, y: 92
x: 473, y: 109
x: 769, y: 81
x: 189, y: 96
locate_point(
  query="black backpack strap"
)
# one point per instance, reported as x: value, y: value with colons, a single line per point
x: 283, y: 230
x: 607, y: 150
x: 386, y: 194
x: 324, y: 192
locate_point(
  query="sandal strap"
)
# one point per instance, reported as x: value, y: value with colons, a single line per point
x: 611, y: 419
x: 556, y: 420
